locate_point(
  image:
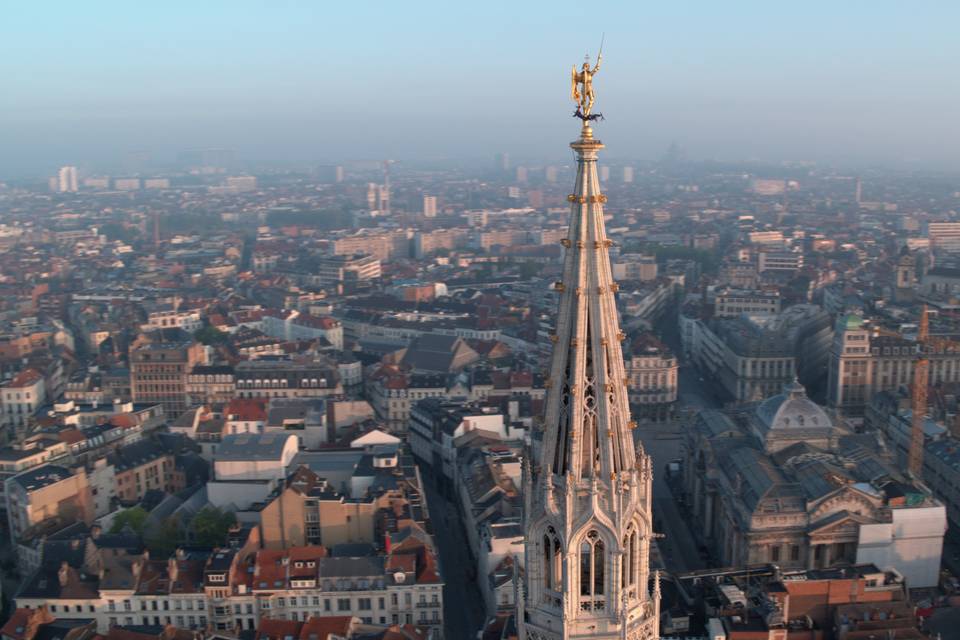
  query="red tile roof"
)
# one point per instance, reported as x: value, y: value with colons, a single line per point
x: 246, y: 410
x: 272, y: 629
x: 323, y: 627
x: 71, y: 436
x: 26, y: 378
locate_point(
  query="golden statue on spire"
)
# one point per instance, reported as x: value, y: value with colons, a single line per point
x: 581, y: 86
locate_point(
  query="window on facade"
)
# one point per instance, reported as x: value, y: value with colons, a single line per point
x: 775, y: 553
x: 343, y: 604
x: 552, y: 566
x: 794, y: 552
x: 630, y: 557
x: 592, y: 565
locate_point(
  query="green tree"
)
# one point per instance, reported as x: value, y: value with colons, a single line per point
x: 163, y: 540
x: 211, y: 525
x: 210, y: 335
x: 530, y: 270
x: 134, y: 517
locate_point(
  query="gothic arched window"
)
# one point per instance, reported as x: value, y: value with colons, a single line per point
x: 630, y: 558
x: 592, y: 565
x: 547, y: 563
x: 552, y: 566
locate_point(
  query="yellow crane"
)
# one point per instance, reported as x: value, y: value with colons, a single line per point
x: 921, y: 384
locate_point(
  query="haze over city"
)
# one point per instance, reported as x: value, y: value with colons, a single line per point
x: 853, y: 83
x: 490, y: 321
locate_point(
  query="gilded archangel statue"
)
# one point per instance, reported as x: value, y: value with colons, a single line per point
x: 581, y: 88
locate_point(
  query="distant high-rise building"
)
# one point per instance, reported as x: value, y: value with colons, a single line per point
x: 628, y: 174
x: 551, y: 174
x: 521, y: 174
x: 859, y: 190
x: 67, y: 179
x: 429, y: 206
x: 96, y: 183
x: 674, y: 154
x: 126, y: 184
x: 767, y: 186
x: 535, y: 198
x: 383, y: 200
x: 242, y: 183
x: 330, y: 173
x: 503, y: 161
x: 604, y: 173
x: 371, y: 196
x: 513, y: 192
x: 944, y: 236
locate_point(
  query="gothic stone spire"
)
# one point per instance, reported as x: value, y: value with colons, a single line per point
x: 588, y: 518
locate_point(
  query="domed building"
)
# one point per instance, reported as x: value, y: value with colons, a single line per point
x: 780, y: 481
x: 789, y: 418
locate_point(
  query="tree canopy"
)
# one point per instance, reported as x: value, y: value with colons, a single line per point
x: 211, y: 525
x: 210, y: 335
x: 134, y: 517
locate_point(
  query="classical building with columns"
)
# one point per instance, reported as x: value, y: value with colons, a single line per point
x: 587, y: 489
x: 780, y: 482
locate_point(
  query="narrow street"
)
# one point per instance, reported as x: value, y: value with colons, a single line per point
x: 677, y: 548
x: 665, y: 443
x: 463, y: 611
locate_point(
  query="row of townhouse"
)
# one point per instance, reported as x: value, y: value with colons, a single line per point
x: 230, y: 590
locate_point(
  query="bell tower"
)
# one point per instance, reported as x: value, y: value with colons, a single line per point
x: 588, y: 491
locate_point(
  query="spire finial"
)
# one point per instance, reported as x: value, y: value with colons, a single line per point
x: 581, y: 89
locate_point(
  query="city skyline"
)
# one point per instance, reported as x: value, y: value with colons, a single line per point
x: 863, y: 86
x: 325, y: 339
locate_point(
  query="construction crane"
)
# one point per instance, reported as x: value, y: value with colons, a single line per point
x: 921, y: 385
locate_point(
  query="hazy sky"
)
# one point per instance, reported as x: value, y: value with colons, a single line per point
x: 321, y: 81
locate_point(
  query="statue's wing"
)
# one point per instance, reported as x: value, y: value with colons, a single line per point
x: 573, y: 83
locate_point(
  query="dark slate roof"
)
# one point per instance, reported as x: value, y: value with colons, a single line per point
x: 252, y: 446
x: 355, y: 550
x: 137, y: 454
x: 361, y: 567
x: 42, y: 476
